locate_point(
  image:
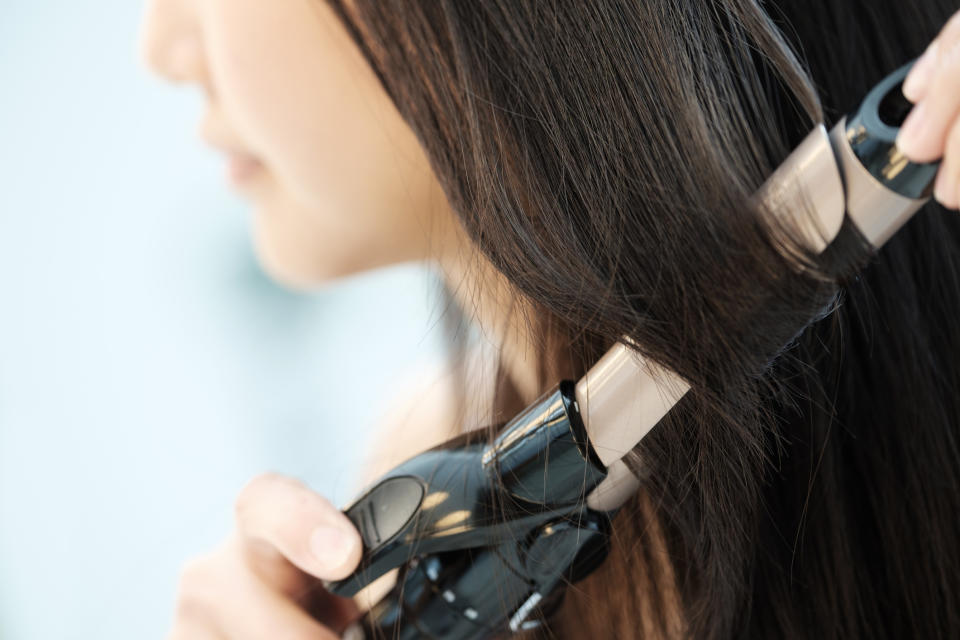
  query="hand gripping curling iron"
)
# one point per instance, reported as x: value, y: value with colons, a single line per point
x: 487, y: 536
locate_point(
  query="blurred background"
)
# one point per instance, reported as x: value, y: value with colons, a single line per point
x: 148, y: 368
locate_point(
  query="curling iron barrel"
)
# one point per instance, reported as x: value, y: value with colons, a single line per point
x: 487, y: 536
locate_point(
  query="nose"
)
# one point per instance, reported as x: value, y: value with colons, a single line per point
x: 170, y: 42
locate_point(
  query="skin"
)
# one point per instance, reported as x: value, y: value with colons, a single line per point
x: 340, y: 185
x: 345, y: 186
x: 932, y: 130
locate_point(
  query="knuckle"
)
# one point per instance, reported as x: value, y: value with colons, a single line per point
x: 255, y: 487
x: 290, y: 492
x: 949, y: 58
x: 953, y: 143
x: 191, y: 607
x: 196, y: 574
x: 321, y: 501
x: 952, y: 28
x: 195, y: 569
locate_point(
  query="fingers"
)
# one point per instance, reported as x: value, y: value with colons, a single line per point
x: 934, y: 86
x: 946, y: 188
x: 278, y: 516
x: 917, y: 83
x: 270, y: 615
x: 262, y: 582
x: 219, y: 598
x: 932, y: 129
x: 275, y: 571
x: 192, y: 631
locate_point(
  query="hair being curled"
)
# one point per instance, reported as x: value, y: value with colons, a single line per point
x: 602, y: 156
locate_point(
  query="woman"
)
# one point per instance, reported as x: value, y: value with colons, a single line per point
x: 581, y: 172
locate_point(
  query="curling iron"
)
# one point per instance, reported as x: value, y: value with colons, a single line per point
x: 486, y: 536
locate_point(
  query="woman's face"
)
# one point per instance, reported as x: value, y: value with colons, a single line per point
x: 336, y: 178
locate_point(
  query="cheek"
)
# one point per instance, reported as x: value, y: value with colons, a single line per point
x: 276, y: 83
x: 348, y: 185
x: 301, y: 95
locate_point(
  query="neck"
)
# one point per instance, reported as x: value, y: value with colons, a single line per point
x: 486, y: 297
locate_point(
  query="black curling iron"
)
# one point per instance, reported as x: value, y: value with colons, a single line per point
x: 487, y: 536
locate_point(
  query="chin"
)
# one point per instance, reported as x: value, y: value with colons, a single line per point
x: 304, y: 268
x: 290, y: 278
x: 279, y: 264
x: 306, y: 257
x: 293, y: 274
x: 289, y: 258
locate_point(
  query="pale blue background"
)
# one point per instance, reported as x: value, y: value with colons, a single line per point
x: 147, y: 367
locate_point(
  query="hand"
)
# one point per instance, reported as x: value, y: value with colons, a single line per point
x: 262, y: 582
x: 932, y: 130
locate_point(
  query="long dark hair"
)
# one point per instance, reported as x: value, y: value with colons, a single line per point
x: 601, y: 155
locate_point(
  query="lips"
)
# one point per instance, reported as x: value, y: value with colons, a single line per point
x: 242, y: 165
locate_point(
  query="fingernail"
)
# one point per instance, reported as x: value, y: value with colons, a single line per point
x: 916, y: 81
x: 331, y: 546
x: 911, y: 133
x: 353, y: 632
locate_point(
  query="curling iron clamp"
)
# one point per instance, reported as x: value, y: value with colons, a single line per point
x: 487, y: 536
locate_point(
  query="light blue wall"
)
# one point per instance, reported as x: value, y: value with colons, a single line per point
x: 147, y: 368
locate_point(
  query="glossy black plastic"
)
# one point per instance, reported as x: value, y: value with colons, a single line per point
x: 486, y: 535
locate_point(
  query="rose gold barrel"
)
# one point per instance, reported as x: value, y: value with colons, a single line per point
x: 877, y: 211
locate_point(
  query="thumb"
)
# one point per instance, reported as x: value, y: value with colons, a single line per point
x: 300, y: 524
